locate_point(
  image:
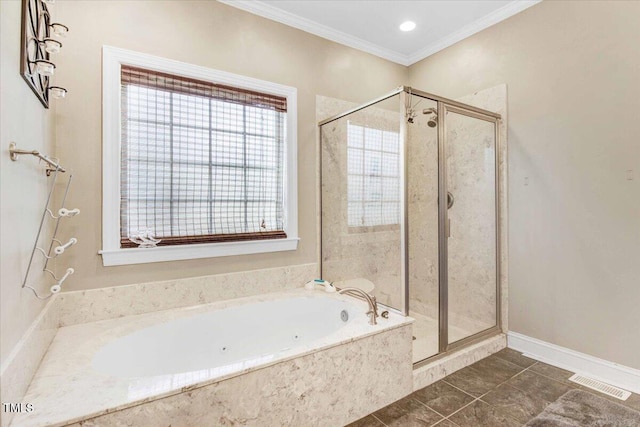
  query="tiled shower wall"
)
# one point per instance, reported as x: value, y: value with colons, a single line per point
x: 372, y: 253
x: 471, y: 253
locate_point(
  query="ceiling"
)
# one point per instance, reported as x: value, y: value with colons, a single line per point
x: 372, y: 26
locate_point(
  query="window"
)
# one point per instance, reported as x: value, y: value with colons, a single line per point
x: 200, y: 162
x: 373, y: 169
x: 201, y: 159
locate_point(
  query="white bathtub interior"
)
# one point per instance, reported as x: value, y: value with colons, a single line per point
x: 224, y: 340
x: 102, y: 366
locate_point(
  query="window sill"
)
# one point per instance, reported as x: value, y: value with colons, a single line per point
x: 184, y: 252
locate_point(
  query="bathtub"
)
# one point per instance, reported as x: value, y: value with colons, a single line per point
x: 275, y: 359
x: 223, y: 341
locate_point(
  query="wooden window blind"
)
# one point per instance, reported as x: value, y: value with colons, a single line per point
x: 200, y: 162
x: 373, y: 174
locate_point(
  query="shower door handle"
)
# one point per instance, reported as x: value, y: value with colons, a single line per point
x: 450, y: 200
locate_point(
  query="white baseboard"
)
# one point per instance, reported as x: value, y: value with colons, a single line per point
x: 574, y: 361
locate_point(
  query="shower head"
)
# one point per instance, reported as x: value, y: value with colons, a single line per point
x: 410, y: 114
x: 433, y: 121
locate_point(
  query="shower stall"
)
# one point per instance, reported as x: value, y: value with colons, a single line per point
x: 410, y: 212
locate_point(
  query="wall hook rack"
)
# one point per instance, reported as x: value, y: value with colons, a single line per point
x: 14, y: 152
x: 53, y: 168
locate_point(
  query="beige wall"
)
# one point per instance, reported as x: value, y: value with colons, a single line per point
x: 210, y: 34
x: 23, y: 185
x: 573, y: 70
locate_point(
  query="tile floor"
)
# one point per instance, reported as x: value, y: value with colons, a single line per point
x: 506, y: 389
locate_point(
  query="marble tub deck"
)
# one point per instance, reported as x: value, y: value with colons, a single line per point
x: 67, y: 390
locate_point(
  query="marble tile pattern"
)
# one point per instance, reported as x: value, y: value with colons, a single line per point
x: 21, y: 365
x: 348, y: 253
x: 368, y: 421
x: 472, y: 274
x: 471, y: 286
x: 491, y: 99
x: 480, y: 412
x: 544, y: 387
x: 422, y: 205
x: 483, y: 376
x: 579, y: 408
x: 118, y: 301
x: 438, y: 369
x: 553, y: 372
x: 425, y: 331
x: 442, y: 397
x: 503, y: 397
x: 327, y: 388
x: 407, y: 412
x: 299, y: 384
x: 517, y: 358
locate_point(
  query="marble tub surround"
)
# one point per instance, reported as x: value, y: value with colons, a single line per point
x: 328, y: 388
x: 440, y: 368
x: 66, y: 389
x: 19, y: 368
x: 118, y: 301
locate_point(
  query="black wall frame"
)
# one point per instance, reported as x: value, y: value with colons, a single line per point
x: 36, y: 22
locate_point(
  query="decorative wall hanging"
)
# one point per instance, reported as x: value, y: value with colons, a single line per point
x: 37, y: 47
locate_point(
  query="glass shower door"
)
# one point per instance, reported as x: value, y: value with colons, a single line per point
x: 470, y: 226
x: 362, y: 201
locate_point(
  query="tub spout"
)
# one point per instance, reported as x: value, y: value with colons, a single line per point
x: 373, y: 305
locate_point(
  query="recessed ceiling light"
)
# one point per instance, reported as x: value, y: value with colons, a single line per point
x: 407, y: 26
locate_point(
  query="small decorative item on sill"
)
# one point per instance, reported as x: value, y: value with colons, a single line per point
x: 37, y: 47
x: 145, y: 239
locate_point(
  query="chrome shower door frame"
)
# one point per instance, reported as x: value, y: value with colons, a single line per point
x: 404, y: 245
x: 444, y: 107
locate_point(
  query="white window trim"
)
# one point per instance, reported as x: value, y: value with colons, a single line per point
x: 112, y: 254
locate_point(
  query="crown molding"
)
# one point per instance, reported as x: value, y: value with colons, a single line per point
x: 275, y: 14
x: 486, y: 21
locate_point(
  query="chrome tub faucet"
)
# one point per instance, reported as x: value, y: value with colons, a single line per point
x: 373, y: 305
